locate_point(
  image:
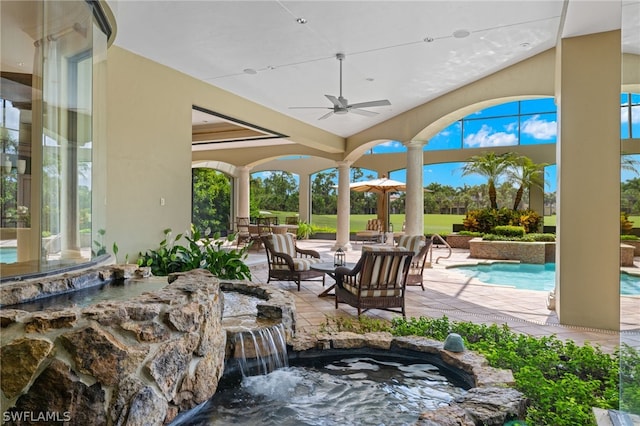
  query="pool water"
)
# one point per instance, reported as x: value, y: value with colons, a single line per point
x: 8, y: 255
x: 350, y: 391
x: 527, y: 276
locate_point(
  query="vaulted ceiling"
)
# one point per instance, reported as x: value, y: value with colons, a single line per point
x: 282, y: 54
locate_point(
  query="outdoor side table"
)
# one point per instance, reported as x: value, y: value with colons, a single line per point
x: 329, y: 268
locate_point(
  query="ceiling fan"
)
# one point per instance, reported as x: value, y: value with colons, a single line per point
x: 342, y: 106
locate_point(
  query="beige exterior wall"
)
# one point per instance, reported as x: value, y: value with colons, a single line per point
x: 149, y: 153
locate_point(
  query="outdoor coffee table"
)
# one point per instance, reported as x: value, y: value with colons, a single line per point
x: 329, y: 268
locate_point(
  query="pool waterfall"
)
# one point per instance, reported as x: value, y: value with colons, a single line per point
x: 146, y: 359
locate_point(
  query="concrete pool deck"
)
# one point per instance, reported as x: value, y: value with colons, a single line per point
x: 450, y: 293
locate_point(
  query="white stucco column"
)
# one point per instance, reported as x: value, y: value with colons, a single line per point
x: 304, y: 200
x: 242, y: 189
x: 588, y: 192
x: 344, y: 206
x: 536, y: 199
x: 414, y: 202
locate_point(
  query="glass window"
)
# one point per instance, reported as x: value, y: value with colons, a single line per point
x: 538, y: 106
x: 625, y: 128
x: 538, y: 128
x: 490, y: 132
x: 48, y: 143
x: 449, y: 138
x: 624, y: 99
x: 635, y: 122
x: 510, y: 108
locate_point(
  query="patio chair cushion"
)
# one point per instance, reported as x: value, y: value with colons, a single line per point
x: 380, y: 270
x: 412, y: 242
x: 284, y: 243
x: 378, y: 292
x: 300, y: 264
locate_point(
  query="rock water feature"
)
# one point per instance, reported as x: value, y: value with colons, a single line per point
x: 137, y: 362
x: 144, y: 360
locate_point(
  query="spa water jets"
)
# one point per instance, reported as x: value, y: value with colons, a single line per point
x: 261, y: 351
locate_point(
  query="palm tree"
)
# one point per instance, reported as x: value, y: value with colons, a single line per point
x: 492, y: 167
x: 526, y: 174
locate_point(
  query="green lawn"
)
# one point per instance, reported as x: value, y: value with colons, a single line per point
x: 433, y: 223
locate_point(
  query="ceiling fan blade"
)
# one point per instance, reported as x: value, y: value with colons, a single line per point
x: 327, y: 115
x: 363, y: 112
x: 336, y: 101
x: 382, y: 102
x: 310, y: 108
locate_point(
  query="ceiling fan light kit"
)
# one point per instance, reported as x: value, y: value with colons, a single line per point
x: 341, y: 105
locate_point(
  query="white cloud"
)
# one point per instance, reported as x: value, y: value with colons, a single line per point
x: 540, y: 129
x: 486, y: 137
x: 393, y: 144
x: 624, y: 115
x: 512, y: 127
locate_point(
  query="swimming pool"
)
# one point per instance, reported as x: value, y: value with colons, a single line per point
x: 528, y: 276
x: 8, y: 254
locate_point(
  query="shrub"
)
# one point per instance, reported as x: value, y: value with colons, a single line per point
x: 625, y: 224
x: 305, y: 230
x: 527, y: 238
x: 629, y: 237
x: 201, y: 252
x: 485, y: 220
x: 561, y: 379
x: 496, y: 237
x: 547, y: 238
x: 629, y: 379
x: 509, y: 231
x: 470, y: 233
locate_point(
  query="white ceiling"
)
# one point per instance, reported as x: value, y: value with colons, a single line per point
x: 387, y: 56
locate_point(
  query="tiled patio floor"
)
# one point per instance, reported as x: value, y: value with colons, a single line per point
x: 459, y: 298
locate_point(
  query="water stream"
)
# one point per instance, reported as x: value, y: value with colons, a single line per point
x: 262, y: 351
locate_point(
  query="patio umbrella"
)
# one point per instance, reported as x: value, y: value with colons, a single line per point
x: 382, y: 186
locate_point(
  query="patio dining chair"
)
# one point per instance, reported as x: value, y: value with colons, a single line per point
x: 243, y: 235
x: 377, y: 281
x: 288, y: 262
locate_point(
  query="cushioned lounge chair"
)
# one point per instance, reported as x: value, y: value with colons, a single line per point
x: 377, y: 281
x: 373, y: 232
x: 287, y: 262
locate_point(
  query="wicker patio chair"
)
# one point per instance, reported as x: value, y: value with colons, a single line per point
x: 287, y: 262
x: 419, y: 245
x: 377, y: 281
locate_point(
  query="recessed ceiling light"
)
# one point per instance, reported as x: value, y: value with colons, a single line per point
x: 370, y: 79
x: 525, y: 45
x: 428, y: 39
x: 250, y: 71
x: 461, y: 33
x: 301, y: 21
